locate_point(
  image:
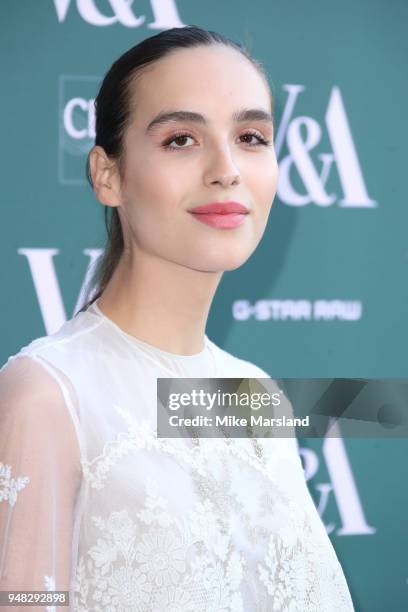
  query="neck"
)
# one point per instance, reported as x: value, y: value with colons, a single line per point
x: 160, y: 302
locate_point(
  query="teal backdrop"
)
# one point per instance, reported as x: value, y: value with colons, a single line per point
x: 324, y: 295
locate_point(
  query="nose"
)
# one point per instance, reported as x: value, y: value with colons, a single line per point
x: 222, y: 169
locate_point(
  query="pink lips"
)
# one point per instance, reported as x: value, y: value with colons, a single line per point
x: 225, y: 215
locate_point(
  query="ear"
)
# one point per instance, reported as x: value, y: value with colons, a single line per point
x: 105, y: 177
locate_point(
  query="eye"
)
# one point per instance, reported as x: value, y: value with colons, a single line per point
x: 261, y: 139
x: 178, y: 136
x: 183, y: 135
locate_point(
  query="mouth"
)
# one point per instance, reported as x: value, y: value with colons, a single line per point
x: 221, y: 220
x: 223, y: 215
x: 221, y: 208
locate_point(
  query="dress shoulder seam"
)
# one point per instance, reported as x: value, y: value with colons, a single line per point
x: 55, y: 340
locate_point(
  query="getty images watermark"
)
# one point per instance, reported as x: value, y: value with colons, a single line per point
x: 264, y: 407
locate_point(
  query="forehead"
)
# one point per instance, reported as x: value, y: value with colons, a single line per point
x: 214, y: 80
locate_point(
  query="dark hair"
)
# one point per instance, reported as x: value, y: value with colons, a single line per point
x: 112, y: 112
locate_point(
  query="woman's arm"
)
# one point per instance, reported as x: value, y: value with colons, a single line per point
x: 40, y: 475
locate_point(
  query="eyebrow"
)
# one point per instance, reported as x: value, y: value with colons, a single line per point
x: 245, y: 114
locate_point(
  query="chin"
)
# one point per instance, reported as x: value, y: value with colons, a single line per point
x: 219, y: 262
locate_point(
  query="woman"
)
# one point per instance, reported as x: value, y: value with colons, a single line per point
x: 93, y: 501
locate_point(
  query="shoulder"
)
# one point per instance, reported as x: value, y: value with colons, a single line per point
x: 36, y: 410
x: 232, y: 366
x: 29, y: 391
x: 22, y: 379
x: 38, y: 376
x: 72, y: 332
x: 51, y: 356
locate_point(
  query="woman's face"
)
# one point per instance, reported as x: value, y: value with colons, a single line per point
x: 213, y: 161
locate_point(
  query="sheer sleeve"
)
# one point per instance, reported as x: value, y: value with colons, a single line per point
x: 40, y: 474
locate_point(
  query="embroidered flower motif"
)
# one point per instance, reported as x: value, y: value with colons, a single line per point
x: 104, y: 554
x: 9, y: 487
x: 161, y: 556
x: 174, y: 599
x: 121, y: 533
x: 120, y: 525
x: 220, y: 581
x: 155, y: 506
x: 275, y: 580
x: 291, y: 569
x: 205, y: 526
x: 128, y: 588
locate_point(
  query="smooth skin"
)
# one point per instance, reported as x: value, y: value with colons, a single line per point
x: 163, y: 286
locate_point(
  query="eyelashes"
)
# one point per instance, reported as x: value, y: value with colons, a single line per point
x: 167, y: 144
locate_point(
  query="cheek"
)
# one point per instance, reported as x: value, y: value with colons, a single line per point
x: 153, y: 189
x: 269, y: 179
x: 154, y: 203
x: 154, y: 181
x: 264, y: 186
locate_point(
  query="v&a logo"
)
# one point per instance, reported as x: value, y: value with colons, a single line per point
x: 343, y: 158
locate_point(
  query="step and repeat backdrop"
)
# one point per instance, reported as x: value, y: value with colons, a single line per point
x: 325, y: 295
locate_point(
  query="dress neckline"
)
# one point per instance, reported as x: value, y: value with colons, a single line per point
x: 150, y: 347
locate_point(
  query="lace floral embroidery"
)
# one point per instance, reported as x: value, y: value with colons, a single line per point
x: 9, y: 487
x: 160, y: 562
x: 298, y: 570
x: 141, y: 435
x: 154, y: 557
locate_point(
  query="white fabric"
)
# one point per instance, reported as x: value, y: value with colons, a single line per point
x: 91, y: 501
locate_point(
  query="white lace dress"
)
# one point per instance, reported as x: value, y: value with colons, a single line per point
x: 91, y: 501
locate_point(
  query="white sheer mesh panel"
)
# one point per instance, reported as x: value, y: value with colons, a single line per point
x: 40, y: 475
